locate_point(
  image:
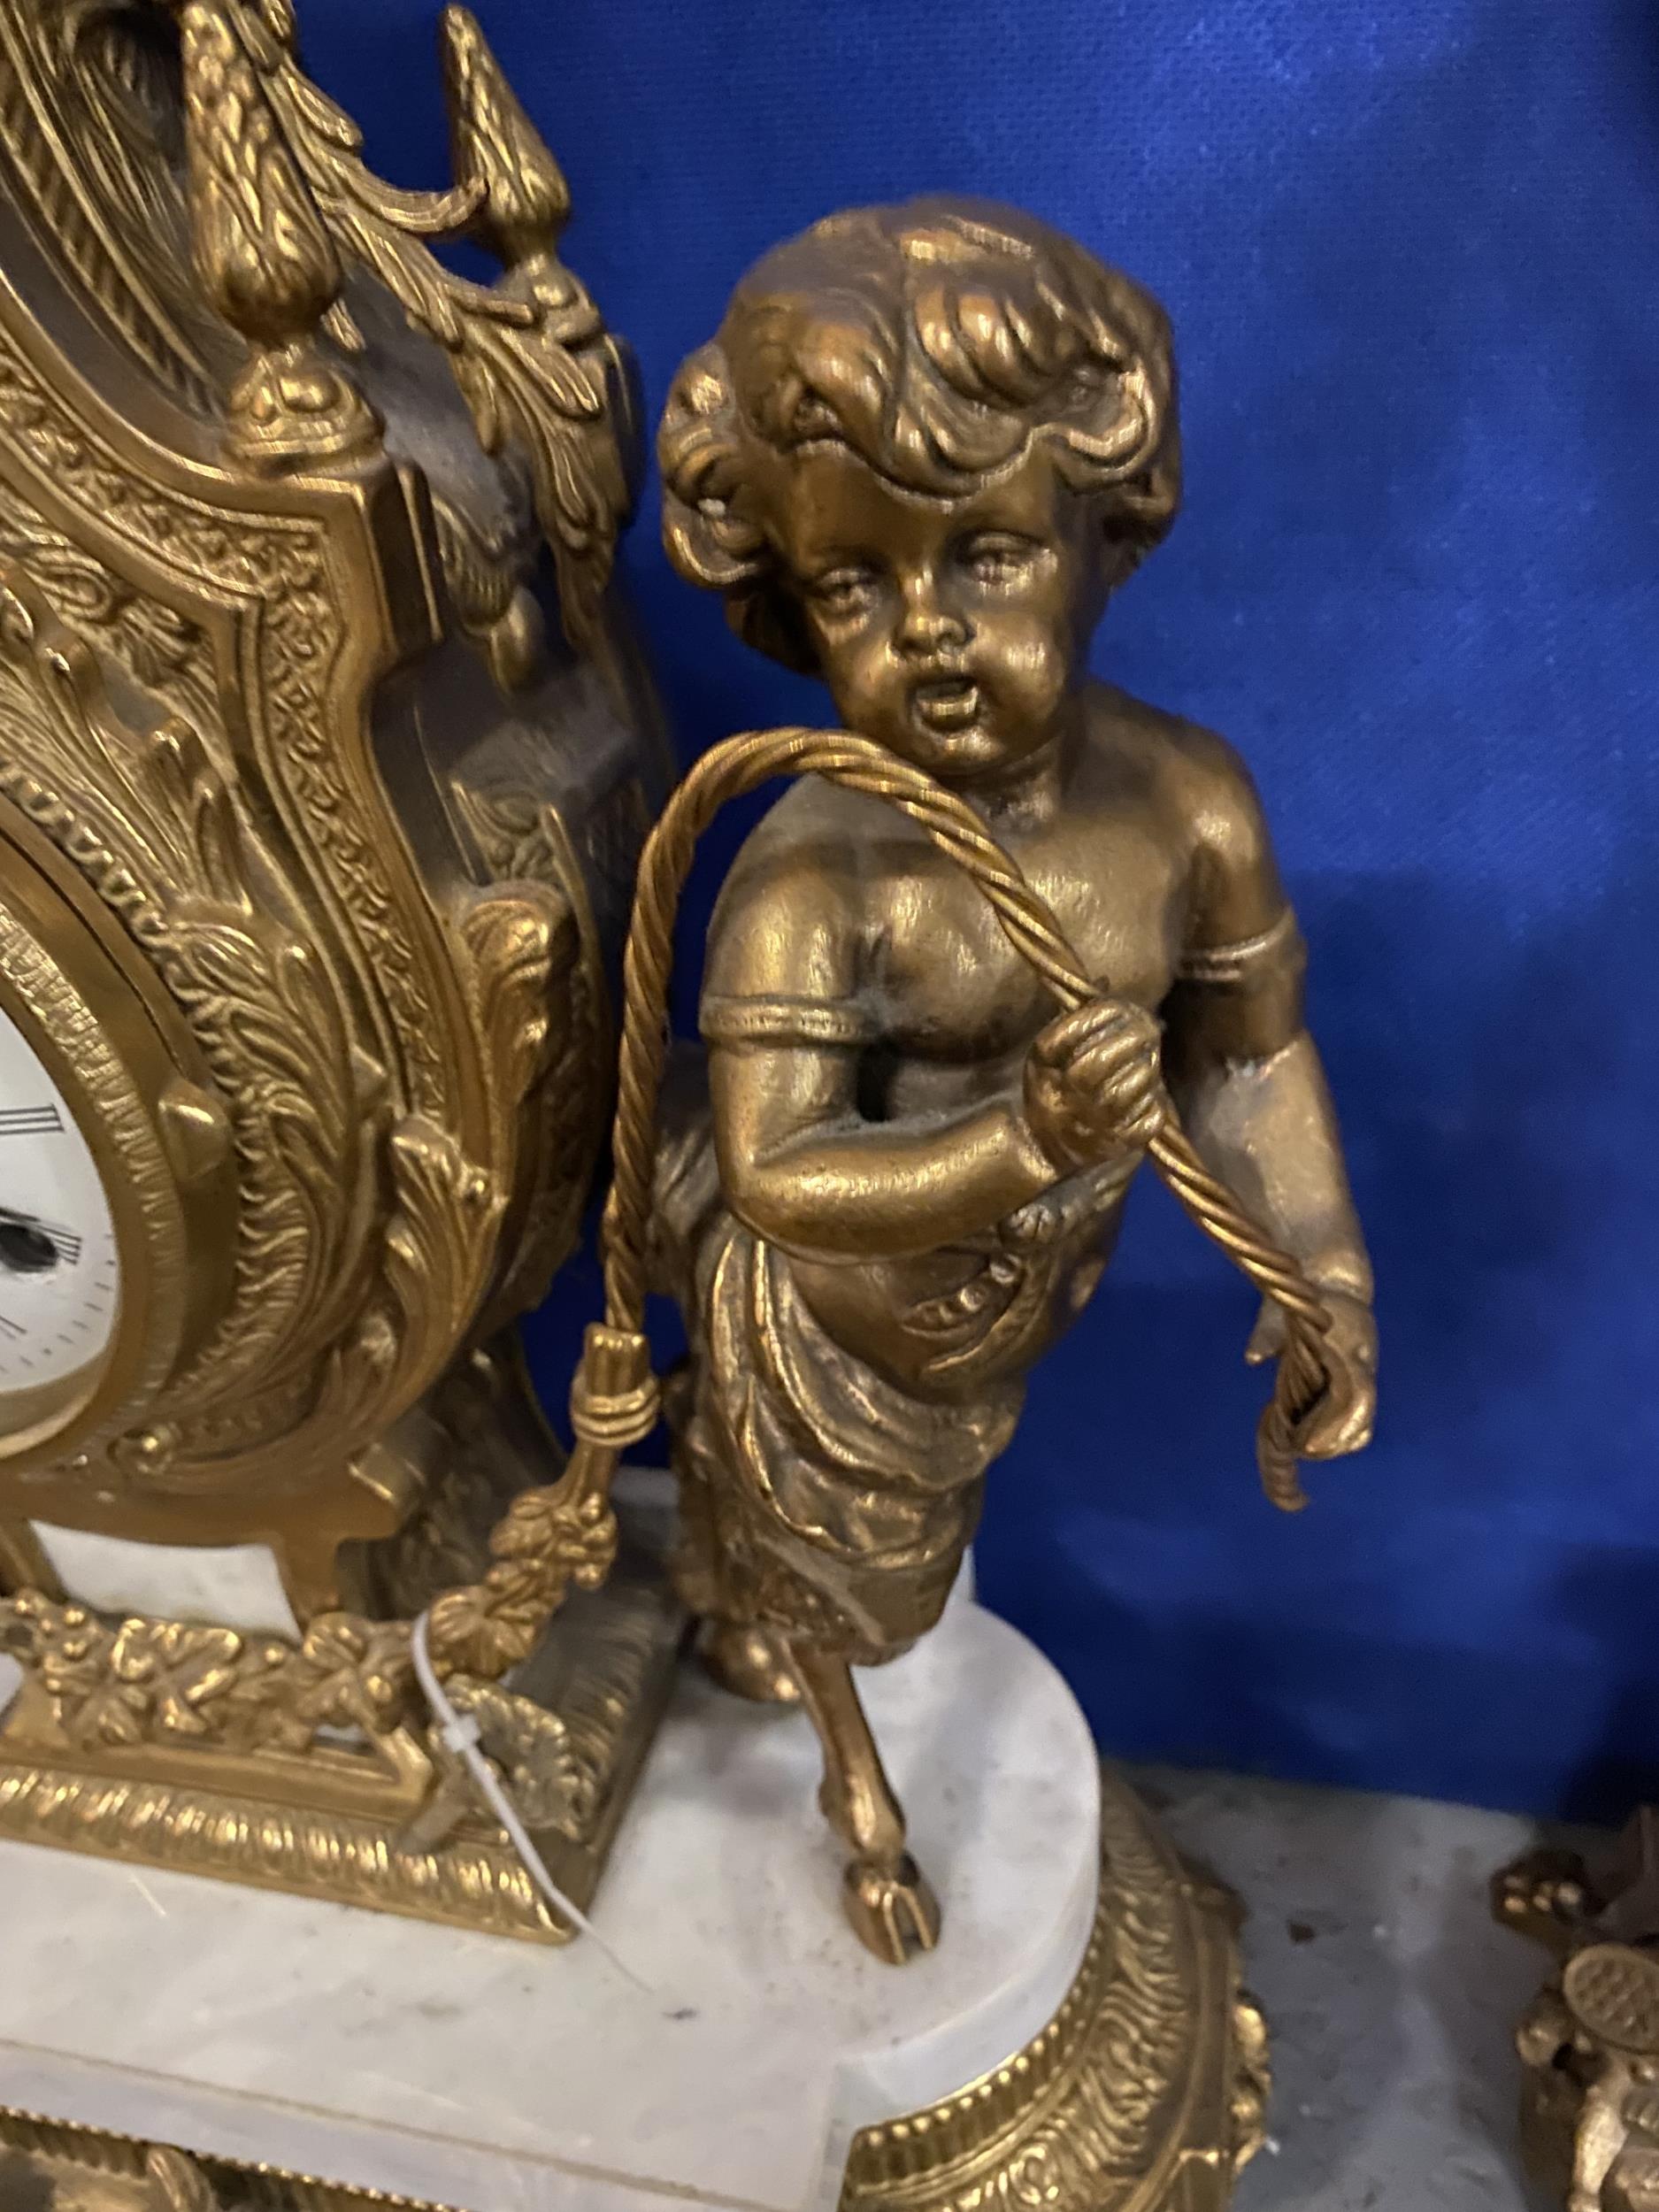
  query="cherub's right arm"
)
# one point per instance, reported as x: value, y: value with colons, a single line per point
x: 788, y: 1017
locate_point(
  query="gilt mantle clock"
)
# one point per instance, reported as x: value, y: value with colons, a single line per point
x: 325, y: 758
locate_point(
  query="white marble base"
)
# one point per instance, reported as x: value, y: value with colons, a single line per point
x: 504, y: 2078
x: 234, y: 1586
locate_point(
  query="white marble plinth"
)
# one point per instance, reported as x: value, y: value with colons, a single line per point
x: 235, y: 1585
x: 504, y: 2078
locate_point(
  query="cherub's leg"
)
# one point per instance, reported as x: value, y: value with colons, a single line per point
x: 750, y: 1661
x: 744, y: 1657
x: 886, y: 1895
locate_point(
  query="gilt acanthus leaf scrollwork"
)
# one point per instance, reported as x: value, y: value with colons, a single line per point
x: 153, y: 826
x: 514, y: 941
x: 439, y: 1248
x: 549, y: 1786
x: 521, y: 842
x: 344, y: 1307
x: 163, y: 649
x: 132, y: 1682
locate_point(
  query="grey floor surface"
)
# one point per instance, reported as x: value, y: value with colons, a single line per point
x: 1390, y: 1993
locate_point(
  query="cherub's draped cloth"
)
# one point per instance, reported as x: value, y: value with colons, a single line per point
x: 816, y: 1495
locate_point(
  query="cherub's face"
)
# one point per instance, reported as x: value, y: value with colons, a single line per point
x: 951, y: 631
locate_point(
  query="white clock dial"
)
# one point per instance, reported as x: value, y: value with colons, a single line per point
x: 59, y: 1277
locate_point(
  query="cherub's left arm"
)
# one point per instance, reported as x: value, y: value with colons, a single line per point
x: 1246, y: 1079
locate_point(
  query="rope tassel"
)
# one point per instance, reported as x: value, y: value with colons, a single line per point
x: 565, y: 1534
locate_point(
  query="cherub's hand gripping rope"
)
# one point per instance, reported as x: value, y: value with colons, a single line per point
x: 564, y: 1533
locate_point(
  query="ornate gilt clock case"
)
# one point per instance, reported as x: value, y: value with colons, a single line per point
x: 325, y: 758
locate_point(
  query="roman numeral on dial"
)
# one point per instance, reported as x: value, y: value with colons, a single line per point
x: 29, y: 1121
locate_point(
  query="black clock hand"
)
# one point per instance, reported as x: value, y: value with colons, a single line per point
x: 26, y: 1244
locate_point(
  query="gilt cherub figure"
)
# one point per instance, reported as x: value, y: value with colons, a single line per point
x: 927, y: 444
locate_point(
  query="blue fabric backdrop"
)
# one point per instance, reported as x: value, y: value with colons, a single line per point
x: 1411, y: 251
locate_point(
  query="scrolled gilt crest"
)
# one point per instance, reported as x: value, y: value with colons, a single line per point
x: 279, y: 189
x: 280, y: 199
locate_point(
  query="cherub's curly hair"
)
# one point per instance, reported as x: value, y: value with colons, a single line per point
x: 938, y: 340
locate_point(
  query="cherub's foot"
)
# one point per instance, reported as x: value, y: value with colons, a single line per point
x: 892, y: 1911
x: 750, y: 1663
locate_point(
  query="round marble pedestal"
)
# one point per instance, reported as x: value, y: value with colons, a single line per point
x: 1071, y: 2043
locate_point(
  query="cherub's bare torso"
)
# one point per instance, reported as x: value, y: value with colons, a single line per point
x: 882, y: 923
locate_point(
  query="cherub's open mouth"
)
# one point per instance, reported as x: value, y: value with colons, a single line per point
x: 947, y: 702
